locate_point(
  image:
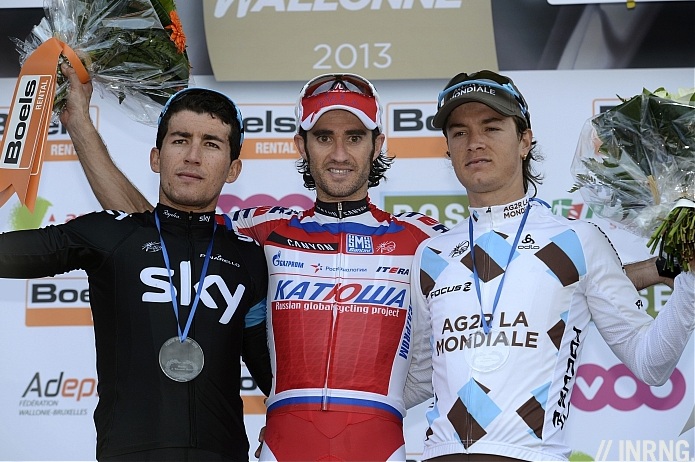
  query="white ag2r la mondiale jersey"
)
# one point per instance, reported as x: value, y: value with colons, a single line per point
x: 507, y: 391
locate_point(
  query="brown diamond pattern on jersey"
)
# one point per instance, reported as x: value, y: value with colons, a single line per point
x: 426, y: 282
x: 559, y: 263
x: 487, y: 268
x: 555, y: 333
x: 467, y: 428
x: 532, y: 413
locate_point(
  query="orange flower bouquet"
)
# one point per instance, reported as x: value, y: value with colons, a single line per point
x: 133, y: 50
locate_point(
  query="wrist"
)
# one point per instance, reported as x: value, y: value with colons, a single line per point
x: 663, y: 269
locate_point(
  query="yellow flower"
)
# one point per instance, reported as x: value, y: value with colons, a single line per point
x: 177, y: 36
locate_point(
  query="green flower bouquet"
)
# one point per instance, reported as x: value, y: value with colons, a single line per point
x: 635, y: 166
x: 133, y: 50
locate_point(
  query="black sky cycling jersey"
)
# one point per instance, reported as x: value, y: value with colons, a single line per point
x: 139, y: 407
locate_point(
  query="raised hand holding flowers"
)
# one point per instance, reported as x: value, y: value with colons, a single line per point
x: 133, y: 50
x: 635, y: 165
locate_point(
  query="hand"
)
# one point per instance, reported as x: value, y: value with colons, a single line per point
x: 79, y: 94
x: 261, y: 437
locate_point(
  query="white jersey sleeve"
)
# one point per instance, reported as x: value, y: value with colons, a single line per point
x: 650, y: 348
x: 418, y: 384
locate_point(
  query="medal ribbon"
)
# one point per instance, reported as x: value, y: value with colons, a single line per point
x: 183, y: 335
x: 476, y: 278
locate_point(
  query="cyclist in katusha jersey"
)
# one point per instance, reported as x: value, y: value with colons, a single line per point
x: 176, y: 295
x: 508, y: 295
x: 339, y: 317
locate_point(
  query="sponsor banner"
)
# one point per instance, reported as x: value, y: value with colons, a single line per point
x: 269, y: 131
x: 409, y: 130
x: 58, y: 301
x: 448, y: 209
x: 639, y: 422
x: 262, y: 40
x: 58, y: 146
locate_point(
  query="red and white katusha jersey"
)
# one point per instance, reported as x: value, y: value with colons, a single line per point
x: 339, y: 315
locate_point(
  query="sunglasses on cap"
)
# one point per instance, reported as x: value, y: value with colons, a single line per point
x: 333, y: 82
x: 489, y: 79
x: 349, y: 92
x: 178, y: 95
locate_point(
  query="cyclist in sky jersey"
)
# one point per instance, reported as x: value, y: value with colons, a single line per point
x: 177, y: 296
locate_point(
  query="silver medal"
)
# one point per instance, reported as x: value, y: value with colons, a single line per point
x: 483, y: 357
x: 181, y: 361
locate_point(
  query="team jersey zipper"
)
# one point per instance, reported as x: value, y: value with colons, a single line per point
x: 334, y: 314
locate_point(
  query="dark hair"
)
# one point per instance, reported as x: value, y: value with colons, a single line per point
x: 203, y: 101
x: 531, y: 177
x: 379, y: 166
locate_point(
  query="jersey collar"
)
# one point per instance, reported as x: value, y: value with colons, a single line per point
x: 171, y: 215
x: 342, y: 209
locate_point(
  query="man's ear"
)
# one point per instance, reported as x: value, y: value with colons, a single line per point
x: 299, y: 144
x: 234, y: 171
x: 378, y: 145
x: 154, y: 160
x: 526, y: 143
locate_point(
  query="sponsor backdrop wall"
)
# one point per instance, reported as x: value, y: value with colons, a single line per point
x: 48, y: 380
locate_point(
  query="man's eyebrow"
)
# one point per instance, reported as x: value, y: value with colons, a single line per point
x: 487, y: 120
x: 181, y: 133
x: 214, y: 138
x: 207, y: 136
x: 493, y: 119
x: 322, y: 132
x: 357, y: 131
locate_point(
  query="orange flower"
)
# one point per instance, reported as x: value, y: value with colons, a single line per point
x: 177, y: 36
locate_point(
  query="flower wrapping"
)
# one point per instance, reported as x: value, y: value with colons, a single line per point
x: 635, y: 166
x: 133, y: 50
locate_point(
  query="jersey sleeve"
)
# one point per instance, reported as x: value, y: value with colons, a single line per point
x: 258, y: 222
x: 422, y: 226
x: 78, y: 244
x: 257, y: 357
x: 649, y: 347
x: 418, y: 384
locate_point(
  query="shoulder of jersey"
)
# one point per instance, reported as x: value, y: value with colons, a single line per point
x: 117, y: 215
x: 421, y: 220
